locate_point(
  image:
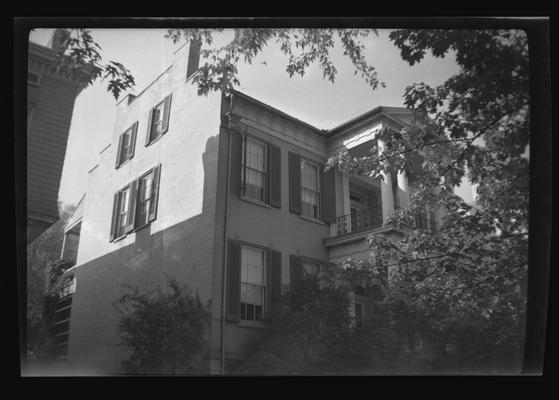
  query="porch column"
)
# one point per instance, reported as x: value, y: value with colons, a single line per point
x: 404, y: 191
x: 386, y: 191
x: 387, y: 197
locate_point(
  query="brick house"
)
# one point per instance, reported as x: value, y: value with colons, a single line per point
x: 226, y: 194
x: 50, y: 102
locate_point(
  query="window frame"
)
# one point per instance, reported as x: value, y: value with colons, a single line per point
x: 118, y: 234
x: 137, y: 208
x: 150, y: 138
x: 318, y: 192
x: 124, y: 158
x: 30, y: 82
x: 265, y: 173
x: 265, y: 285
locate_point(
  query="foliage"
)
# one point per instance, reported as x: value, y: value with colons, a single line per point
x: 310, y: 332
x: 163, y: 329
x: 303, y: 47
x: 43, y: 259
x: 78, y: 52
x: 470, y: 275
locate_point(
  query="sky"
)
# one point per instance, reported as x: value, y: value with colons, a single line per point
x: 317, y: 101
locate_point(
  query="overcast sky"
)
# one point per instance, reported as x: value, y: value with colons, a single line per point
x: 146, y: 53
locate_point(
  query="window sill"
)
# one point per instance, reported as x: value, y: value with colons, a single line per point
x: 118, y: 239
x: 316, y: 221
x: 139, y: 228
x: 257, y: 202
x: 124, y: 163
x: 252, y: 324
x: 154, y: 140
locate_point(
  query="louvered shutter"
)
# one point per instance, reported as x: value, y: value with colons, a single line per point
x: 132, y: 147
x: 295, y: 183
x: 275, y: 176
x: 275, y: 277
x: 114, y: 217
x: 132, y: 199
x: 148, y: 134
x: 295, y: 270
x: 166, y: 114
x: 118, y: 151
x: 154, y: 196
x: 236, y: 167
x: 234, y: 282
x: 328, y: 195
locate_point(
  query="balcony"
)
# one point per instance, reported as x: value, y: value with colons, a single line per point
x: 358, y: 221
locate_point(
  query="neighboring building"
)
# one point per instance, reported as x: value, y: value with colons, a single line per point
x: 50, y: 103
x: 229, y: 196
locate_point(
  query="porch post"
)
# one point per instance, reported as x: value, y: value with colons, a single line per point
x: 404, y: 189
x: 386, y: 191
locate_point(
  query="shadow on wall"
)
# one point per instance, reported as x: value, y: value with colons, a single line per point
x: 183, y: 251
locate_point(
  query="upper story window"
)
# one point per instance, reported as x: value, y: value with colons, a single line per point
x: 158, y: 122
x: 123, y: 208
x: 33, y: 78
x: 255, y: 170
x: 126, y: 145
x: 135, y: 206
x: 145, y: 194
x: 253, y: 283
x: 310, y: 189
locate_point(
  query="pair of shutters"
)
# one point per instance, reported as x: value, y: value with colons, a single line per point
x: 273, y: 185
x: 120, y: 158
x: 164, y: 122
x: 132, y: 201
x: 234, y: 280
x: 327, y: 184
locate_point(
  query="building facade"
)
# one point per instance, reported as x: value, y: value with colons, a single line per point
x: 50, y: 102
x: 227, y: 195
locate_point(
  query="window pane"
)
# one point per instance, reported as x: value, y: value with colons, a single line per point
x: 252, y: 283
x: 256, y: 155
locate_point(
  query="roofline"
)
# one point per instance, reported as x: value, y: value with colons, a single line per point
x: 377, y: 110
x: 321, y: 132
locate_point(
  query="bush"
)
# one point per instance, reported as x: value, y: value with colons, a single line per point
x: 163, y: 330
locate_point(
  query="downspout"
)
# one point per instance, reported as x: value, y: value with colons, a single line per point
x: 224, y: 277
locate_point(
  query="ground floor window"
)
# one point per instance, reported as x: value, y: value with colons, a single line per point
x: 253, y: 283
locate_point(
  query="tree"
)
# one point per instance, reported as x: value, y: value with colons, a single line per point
x: 163, y: 329
x: 43, y: 256
x: 468, y: 279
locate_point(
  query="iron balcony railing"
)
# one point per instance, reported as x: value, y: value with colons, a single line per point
x: 372, y: 218
x: 359, y: 220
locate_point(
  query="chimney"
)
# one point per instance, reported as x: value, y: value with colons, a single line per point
x: 193, y: 57
x: 57, y: 39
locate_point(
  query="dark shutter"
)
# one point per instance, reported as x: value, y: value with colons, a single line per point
x: 236, y: 161
x: 148, y: 134
x: 133, y: 135
x: 118, y: 151
x: 234, y: 282
x: 295, y: 183
x: 154, y: 196
x: 113, y: 218
x: 132, y: 207
x: 328, y: 195
x: 275, y: 277
x: 275, y: 176
x: 166, y: 113
x: 295, y: 270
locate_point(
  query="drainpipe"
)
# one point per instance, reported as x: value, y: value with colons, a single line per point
x: 224, y: 278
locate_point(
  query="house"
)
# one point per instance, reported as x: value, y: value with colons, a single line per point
x: 227, y: 195
x: 51, y: 94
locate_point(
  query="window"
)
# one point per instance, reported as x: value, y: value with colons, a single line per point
x: 253, y: 286
x: 135, y: 206
x: 33, y: 78
x: 126, y: 145
x: 158, y: 120
x: 254, y: 170
x: 358, y: 310
x: 310, y: 190
x: 122, y: 209
x: 144, y: 199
